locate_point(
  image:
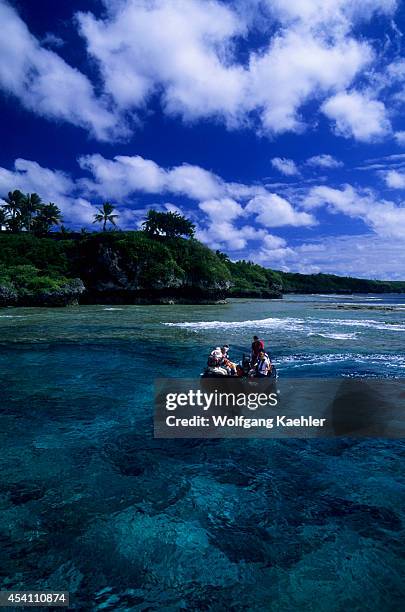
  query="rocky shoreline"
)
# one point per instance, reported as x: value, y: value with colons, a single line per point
x: 134, y: 268
x: 74, y: 293
x: 68, y: 294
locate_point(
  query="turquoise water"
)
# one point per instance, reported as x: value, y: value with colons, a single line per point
x: 91, y: 503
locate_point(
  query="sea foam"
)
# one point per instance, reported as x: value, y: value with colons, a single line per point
x: 309, y: 325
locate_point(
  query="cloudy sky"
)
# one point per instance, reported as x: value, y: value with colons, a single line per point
x: 278, y: 126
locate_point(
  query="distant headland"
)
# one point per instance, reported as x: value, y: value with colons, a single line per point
x: 162, y: 263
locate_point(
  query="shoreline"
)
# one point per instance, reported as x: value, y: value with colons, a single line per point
x: 132, y: 267
x: 144, y: 300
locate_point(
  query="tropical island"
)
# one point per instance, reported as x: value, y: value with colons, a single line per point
x: 43, y: 263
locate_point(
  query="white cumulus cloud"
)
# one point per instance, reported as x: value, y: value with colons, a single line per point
x: 386, y: 218
x: 285, y: 166
x: 118, y: 177
x: 52, y: 185
x: 193, y: 67
x: 337, y: 13
x: 179, y: 47
x: 300, y: 65
x: 364, y: 256
x: 400, y: 137
x: 355, y: 114
x: 272, y: 210
x: 324, y: 161
x: 198, y: 60
x: 124, y: 176
x: 395, y: 179
x: 46, y: 85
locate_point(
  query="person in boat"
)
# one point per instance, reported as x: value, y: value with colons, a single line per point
x: 226, y: 362
x: 263, y: 365
x: 257, y: 346
x: 214, y: 363
x: 219, y: 364
x: 216, y: 355
x: 225, y: 350
x: 244, y: 368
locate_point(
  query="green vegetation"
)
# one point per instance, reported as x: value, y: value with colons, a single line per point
x: 47, y: 254
x: 27, y: 285
x: 138, y: 264
x: 37, y: 271
x: 252, y: 280
x: 329, y: 283
x: 169, y: 224
x: 132, y: 266
x: 161, y: 262
x: 140, y: 261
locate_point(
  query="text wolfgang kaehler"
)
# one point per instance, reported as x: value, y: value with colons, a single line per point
x: 224, y: 401
x: 243, y: 422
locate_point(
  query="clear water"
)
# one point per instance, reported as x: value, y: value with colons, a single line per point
x: 91, y: 503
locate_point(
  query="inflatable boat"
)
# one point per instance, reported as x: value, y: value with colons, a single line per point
x: 244, y: 370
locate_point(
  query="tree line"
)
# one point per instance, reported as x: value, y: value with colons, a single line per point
x: 156, y: 225
x: 27, y: 212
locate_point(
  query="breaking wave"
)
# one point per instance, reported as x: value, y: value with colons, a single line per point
x: 333, y: 336
x: 271, y: 323
x: 310, y: 325
x: 394, y: 362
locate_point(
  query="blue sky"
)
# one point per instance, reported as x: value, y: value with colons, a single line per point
x: 277, y: 126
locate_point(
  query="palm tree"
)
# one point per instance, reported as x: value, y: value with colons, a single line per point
x: 47, y: 216
x: 105, y: 215
x: 151, y: 225
x: 12, y: 208
x: 52, y: 214
x: 30, y: 205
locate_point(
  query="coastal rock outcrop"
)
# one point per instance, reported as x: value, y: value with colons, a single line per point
x: 8, y: 295
x: 131, y: 267
x: 120, y: 270
x: 65, y: 294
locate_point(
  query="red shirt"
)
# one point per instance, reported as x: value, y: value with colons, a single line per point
x: 257, y: 346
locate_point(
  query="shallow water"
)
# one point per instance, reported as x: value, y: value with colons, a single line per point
x: 91, y: 503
